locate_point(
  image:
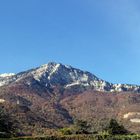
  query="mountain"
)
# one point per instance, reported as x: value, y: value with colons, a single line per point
x: 56, y: 74
x: 53, y: 95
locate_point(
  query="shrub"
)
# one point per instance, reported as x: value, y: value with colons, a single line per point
x: 66, y: 131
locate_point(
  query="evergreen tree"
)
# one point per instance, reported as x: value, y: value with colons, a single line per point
x: 82, y: 127
x: 115, y: 128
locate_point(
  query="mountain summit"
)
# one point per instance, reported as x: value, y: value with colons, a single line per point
x: 67, y: 77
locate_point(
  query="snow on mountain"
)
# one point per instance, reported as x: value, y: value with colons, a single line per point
x: 6, y: 78
x: 7, y: 74
x: 53, y: 74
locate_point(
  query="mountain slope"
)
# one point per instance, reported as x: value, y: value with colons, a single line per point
x: 42, y: 111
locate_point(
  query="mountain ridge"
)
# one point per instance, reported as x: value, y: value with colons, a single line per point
x: 53, y: 74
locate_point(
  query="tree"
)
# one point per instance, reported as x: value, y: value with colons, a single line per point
x: 82, y: 127
x: 7, y: 127
x: 115, y: 128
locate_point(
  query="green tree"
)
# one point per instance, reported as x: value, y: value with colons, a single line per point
x: 115, y: 128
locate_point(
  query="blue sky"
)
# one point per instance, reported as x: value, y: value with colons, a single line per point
x: 94, y: 35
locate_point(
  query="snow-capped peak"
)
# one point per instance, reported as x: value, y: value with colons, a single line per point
x: 45, y: 70
x: 53, y: 71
